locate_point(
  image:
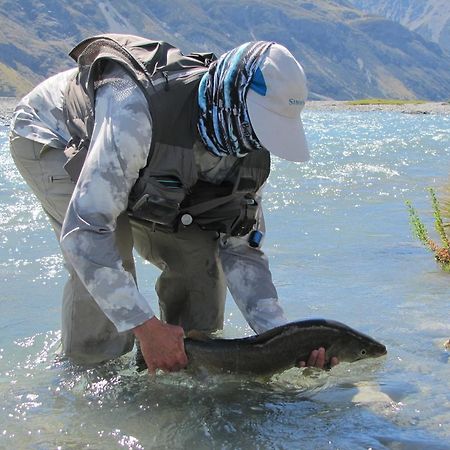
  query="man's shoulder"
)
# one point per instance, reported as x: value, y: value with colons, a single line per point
x: 50, y: 86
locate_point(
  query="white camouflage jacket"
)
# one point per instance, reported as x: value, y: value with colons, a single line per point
x: 119, y: 149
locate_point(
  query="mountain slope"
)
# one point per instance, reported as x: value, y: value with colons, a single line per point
x: 429, y: 18
x: 345, y: 52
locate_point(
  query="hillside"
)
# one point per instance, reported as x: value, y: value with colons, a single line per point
x: 429, y: 18
x: 346, y: 53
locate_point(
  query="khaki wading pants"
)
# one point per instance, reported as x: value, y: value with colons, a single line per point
x: 191, y: 289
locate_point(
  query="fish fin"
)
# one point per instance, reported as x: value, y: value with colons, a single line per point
x: 197, y: 335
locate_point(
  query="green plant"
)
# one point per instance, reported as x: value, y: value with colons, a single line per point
x: 442, y: 251
x: 384, y: 101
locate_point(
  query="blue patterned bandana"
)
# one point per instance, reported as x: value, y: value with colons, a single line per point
x: 224, y: 124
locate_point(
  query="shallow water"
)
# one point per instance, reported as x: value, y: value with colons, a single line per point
x: 340, y: 247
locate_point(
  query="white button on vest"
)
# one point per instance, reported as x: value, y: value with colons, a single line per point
x: 186, y: 219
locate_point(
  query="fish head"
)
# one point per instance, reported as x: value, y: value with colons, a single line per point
x: 354, y: 347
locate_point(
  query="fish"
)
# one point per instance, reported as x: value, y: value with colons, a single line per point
x: 278, y: 349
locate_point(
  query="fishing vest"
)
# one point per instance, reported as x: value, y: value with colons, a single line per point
x: 168, y: 193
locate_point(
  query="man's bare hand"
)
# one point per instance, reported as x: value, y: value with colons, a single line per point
x: 317, y: 359
x: 162, y: 345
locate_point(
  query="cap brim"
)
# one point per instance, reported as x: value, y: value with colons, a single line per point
x: 282, y: 136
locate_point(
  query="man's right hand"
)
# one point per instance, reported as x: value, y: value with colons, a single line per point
x: 162, y: 345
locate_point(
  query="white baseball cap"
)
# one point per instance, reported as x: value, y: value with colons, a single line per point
x: 275, y: 100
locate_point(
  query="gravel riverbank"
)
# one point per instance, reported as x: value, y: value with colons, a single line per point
x: 7, y: 105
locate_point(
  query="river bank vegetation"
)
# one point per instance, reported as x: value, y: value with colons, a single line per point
x: 441, y: 251
x: 385, y: 101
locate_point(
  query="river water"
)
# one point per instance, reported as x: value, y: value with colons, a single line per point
x: 340, y: 247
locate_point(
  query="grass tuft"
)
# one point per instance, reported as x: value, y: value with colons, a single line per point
x: 385, y: 101
x: 441, y: 251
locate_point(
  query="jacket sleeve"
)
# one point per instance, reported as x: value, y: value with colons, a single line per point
x: 250, y: 282
x: 118, y: 150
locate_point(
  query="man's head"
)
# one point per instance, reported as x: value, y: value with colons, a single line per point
x: 275, y: 100
x: 250, y: 99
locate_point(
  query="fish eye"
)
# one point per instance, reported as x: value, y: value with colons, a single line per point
x: 363, y: 352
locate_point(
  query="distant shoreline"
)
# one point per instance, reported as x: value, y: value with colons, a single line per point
x: 407, y: 108
x: 7, y: 105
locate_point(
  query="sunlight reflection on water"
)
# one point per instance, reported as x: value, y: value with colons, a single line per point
x: 340, y: 247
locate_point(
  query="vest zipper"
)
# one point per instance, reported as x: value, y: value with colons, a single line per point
x: 166, y: 77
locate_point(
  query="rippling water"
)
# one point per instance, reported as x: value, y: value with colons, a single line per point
x: 340, y: 247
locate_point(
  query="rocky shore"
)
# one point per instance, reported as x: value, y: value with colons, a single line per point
x: 7, y: 105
